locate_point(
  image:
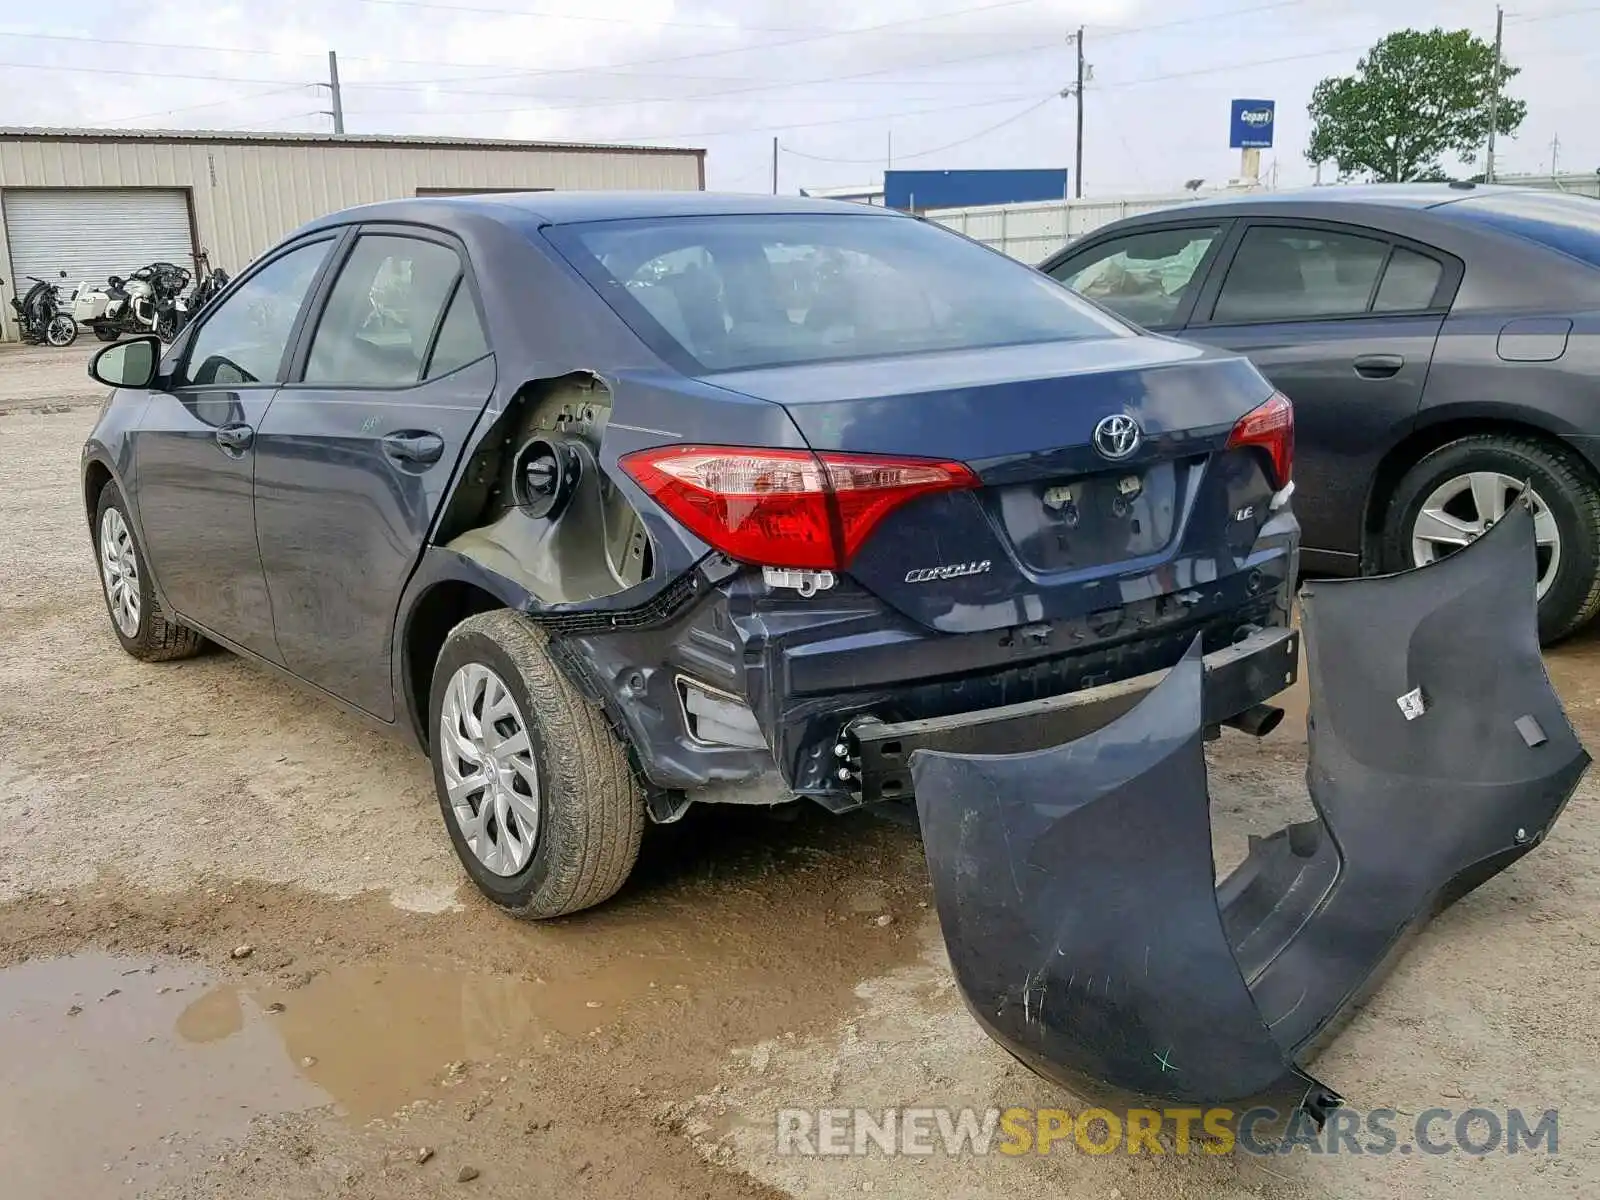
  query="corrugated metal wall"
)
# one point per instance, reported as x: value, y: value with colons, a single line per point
x: 247, y: 196
x: 1033, y: 232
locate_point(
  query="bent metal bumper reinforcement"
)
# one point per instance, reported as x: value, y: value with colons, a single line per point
x: 1075, y: 884
x: 876, y: 755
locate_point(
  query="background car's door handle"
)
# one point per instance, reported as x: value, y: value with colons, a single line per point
x: 414, y: 447
x: 235, y: 437
x: 1378, y: 366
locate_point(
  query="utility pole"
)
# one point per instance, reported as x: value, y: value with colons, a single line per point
x: 1494, y: 92
x: 774, y: 166
x: 1555, y: 154
x: 1076, y: 92
x: 333, y: 87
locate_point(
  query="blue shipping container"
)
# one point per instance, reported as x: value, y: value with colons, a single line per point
x: 963, y: 189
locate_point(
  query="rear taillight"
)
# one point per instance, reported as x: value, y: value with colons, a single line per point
x: 785, y: 508
x: 1269, y: 427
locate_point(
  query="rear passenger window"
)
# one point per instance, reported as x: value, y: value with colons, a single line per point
x: 1284, y: 274
x: 1144, y: 277
x: 382, y: 312
x: 1409, y: 283
x: 461, y: 338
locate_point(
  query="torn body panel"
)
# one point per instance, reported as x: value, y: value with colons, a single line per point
x: 547, y: 517
x: 1075, y: 884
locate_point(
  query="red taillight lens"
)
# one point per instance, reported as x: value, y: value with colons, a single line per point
x: 1269, y: 427
x: 781, y: 508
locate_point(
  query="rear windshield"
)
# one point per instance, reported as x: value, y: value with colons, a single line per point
x: 729, y: 293
x: 1570, y: 224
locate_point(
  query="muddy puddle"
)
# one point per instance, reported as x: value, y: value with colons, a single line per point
x: 114, y: 1069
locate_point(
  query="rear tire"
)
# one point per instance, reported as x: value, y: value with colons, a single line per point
x: 547, y: 813
x: 105, y: 333
x: 136, y: 617
x: 1563, y: 486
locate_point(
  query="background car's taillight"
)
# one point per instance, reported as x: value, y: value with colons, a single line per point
x: 786, y: 508
x: 1269, y: 427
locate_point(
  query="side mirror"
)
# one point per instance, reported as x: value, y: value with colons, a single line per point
x: 130, y: 364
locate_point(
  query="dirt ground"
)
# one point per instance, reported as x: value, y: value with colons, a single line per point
x: 238, y: 959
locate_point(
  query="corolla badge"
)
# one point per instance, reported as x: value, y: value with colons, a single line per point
x: 952, y: 571
x: 1117, y: 436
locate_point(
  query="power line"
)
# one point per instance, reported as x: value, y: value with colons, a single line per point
x: 15, y: 66
x: 438, y: 64
x: 167, y: 112
x: 935, y: 149
x: 991, y: 6
x: 1111, y: 32
x: 633, y: 21
x: 722, y: 92
x: 1116, y: 31
x: 1552, y: 16
x: 894, y: 116
x: 534, y: 104
x: 103, y: 41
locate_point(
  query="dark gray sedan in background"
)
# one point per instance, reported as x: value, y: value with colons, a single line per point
x: 1441, y: 345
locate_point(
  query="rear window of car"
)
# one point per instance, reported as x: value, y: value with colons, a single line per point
x: 1570, y: 224
x: 732, y: 293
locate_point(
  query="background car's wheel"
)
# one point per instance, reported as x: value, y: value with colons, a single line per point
x: 136, y: 618
x: 62, y: 331
x: 106, y: 333
x: 1455, y: 493
x: 537, y: 791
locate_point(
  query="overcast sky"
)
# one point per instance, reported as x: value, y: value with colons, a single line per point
x: 950, y: 83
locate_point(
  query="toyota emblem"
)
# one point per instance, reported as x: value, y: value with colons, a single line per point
x: 1117, y: 436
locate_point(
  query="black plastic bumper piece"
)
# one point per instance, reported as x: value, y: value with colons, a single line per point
x: 1075, y: 884
x: 1237, y: 678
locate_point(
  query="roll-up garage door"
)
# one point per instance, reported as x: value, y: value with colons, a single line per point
x: 93, y: 232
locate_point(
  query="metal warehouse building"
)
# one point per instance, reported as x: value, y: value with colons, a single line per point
x: 96, y: 202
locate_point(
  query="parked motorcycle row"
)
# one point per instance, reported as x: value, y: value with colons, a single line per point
x: 149, y: 300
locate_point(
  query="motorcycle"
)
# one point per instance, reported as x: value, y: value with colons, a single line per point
x: 42, y: 316
x: 149, y: 300
x: 211, y: 281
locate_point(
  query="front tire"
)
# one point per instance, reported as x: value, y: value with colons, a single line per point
x: 1455, y: 493
x: 541, y: 803
x: 136, y: 617
x: 62, y: 330
x: 106, y: 333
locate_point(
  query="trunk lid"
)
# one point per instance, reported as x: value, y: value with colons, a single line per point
x: 1058, y: 528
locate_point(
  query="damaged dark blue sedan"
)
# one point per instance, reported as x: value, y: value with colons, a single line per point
x: 621, y: 502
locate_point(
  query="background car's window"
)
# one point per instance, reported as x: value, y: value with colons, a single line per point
x: 460, y: 337
x: 1409, y: 282
x: 1144, y: 277
x: 737, y: 292
x: 382, y: 311
x: 243, y: 339
x: 1287, y: 274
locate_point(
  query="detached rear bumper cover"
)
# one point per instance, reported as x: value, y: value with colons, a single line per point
x: 1075, y: 884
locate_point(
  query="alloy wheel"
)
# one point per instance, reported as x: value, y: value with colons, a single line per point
x: 1462, y: 509
x: 119, y: 571
x: 489, y: 770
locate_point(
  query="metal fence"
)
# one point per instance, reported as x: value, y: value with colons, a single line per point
x: 1032, y: 232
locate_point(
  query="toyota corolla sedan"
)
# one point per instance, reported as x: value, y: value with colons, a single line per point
x: 1441, y: 344
x: 615, y: 503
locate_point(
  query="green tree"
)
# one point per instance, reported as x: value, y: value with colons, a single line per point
x: 1414, y: 98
